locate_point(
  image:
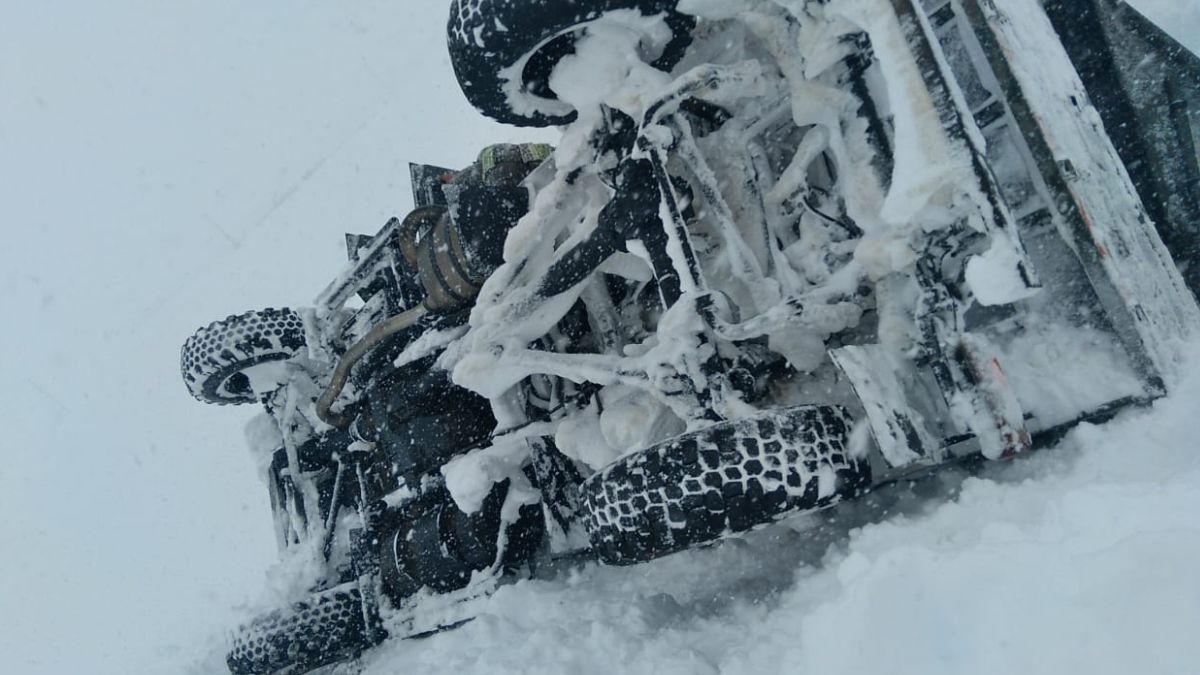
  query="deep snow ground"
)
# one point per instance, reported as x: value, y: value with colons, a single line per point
x: 166, y: 164
x: 1081, y: 558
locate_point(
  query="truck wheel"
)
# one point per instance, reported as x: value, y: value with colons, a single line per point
x: 215, y: 359
x: 731, y: 477
x: 503, y: 51
x: 325, y: 628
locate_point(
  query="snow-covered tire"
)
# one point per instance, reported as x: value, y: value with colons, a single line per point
x: 213, y: 361
x: 731, y: 477
x: 495, y: 41
x: 325, y: 628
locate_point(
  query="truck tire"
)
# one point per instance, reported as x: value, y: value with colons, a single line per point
x: 214, y: 360
x: 495, y: 41
x: 731, y: 477
x: 327, y: 627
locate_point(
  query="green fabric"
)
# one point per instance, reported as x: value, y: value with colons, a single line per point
x: 502, y: 153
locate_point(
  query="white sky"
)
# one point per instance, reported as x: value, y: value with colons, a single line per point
x: 163, y: 165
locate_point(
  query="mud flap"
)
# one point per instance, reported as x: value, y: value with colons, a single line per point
x: 883, y: 382
x: 899, y: 403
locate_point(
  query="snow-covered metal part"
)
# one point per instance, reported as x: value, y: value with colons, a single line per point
x: 1098, y: 210
x: 960, y: 193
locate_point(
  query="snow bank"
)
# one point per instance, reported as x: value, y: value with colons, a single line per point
x: 1080, y: 558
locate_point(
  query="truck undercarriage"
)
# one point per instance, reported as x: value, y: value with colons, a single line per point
x: 784, y: 253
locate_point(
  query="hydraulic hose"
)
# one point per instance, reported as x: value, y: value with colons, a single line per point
x: 341, y: 374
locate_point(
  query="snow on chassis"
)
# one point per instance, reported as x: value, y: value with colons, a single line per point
x: 784, y: 252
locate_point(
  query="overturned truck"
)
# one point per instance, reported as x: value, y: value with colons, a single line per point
x: 784, y: 252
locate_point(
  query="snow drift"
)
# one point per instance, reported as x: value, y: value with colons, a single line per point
x: 1079, y: 558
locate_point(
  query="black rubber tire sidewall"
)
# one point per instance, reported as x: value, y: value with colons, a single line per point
x: 325, y: 628
x: 223, y: 349
x: 680, y: 494
x: 487, y: 36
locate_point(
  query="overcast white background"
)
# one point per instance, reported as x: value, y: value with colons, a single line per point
x: 162, y: 165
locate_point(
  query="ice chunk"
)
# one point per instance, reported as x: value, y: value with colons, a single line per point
x: 994, y: 276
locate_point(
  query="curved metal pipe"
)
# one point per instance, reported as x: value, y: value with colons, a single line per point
x: 341, y: 374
